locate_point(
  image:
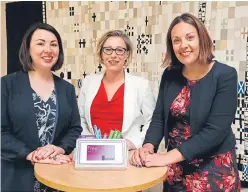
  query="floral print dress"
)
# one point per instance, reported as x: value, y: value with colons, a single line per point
x: 45, y: 113
x: 215, y: 173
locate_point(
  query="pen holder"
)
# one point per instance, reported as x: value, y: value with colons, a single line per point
x: 113, y: 134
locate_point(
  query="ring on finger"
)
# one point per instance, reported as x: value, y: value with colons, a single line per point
x: 54, y: 158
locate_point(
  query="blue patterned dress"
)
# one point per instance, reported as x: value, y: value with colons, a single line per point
x: 45, y: 113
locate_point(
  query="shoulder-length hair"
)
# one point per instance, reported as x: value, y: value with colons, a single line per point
x: 24, y: 52
x: 205, y: 42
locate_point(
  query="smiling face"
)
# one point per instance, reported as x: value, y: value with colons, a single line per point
x: 185, y: 42
x: 116, y: 60
x: 44, y: 49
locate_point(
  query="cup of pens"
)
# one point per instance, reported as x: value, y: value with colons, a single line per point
x: 114, y: 134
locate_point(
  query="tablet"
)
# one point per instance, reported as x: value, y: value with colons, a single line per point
x: 101, y: 154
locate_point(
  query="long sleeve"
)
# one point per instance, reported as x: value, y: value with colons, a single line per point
x: 147, y: 108
x: 68, y: 142
x: 12, y: 149
x: 81, y: 105
x: 218, y: 123
x: 155, y: 131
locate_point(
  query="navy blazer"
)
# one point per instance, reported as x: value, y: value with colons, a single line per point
x: 212, y: 111
x: 20, y: 133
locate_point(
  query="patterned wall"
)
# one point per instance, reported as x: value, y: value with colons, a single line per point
x: 82, y: 23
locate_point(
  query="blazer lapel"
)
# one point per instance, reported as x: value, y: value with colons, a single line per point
x: 194, y: 105
x: 59, y: 99
x: 27, y: 98
x: 129, y: 95
x: 200, y: 95
x: 91, y: 92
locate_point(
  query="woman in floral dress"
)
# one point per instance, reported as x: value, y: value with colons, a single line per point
x: 195, y: 108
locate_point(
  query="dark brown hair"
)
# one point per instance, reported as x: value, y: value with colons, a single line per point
x: 24, y: 52
x: 205, y: 42
x: 115, y: 33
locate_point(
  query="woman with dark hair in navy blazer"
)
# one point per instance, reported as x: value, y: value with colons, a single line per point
x: 39, y: 113
x: 196, y: 105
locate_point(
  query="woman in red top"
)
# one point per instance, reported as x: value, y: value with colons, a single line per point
x: 115, y: 99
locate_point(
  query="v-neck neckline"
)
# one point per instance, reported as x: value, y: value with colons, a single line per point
x: 42, y: 99
x: 53, y: 90
x: 105, y: 93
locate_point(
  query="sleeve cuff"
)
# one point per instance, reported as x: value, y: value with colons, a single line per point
x: 24, y: 152
x: 185, y: 154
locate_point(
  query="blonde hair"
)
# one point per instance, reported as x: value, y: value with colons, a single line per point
x: 115, y: 33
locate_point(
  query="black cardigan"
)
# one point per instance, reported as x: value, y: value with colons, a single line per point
x: 20, y: 133
x: 212, y: 110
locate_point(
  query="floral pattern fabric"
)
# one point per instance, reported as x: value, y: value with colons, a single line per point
x: 215, y: 173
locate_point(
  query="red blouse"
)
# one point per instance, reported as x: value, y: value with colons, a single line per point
x: 107, y: 115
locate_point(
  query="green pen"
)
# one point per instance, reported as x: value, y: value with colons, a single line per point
x: 118, y: 135
x: 115, y: 134
x: 111, y: 134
